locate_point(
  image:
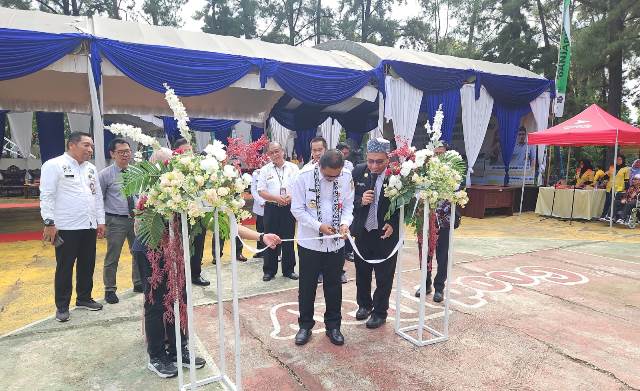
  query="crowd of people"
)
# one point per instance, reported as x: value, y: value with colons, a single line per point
x: 320, y: 204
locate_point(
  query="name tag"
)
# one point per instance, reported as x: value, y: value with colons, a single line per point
x: 69, y: 176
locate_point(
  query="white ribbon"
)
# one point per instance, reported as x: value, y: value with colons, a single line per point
x: 349, y: 237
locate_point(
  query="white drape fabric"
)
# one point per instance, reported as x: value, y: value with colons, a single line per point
x: 336, y: 128
x: 242, y: 130
x: 202, y: 140
x: 79, y: 122
x: 330, y: 131
x: 21, y: 131
x: 279, y: 133
x: 98, y: 124
x: 475, y: 120
x: 540, y: 110
x: 378, y: 131
x: 402, y: 106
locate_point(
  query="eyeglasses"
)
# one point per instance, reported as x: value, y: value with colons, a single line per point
x: 376, y: 161
x: 123, y: 153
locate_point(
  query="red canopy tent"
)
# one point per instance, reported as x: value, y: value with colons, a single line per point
x: 593, y: 126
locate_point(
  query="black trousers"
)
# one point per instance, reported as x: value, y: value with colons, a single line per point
x: 369, y: 245
x: 442, y: 257
x: 158, y: 333
x: 196, y: 256
x: 239, y: 247
x: 78, y: 245
x: 279, y: 220
x: 607, y: 203
x: 260, y: 228
x: 312, y: 263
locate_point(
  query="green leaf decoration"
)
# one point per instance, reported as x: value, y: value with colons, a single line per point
x: 151, y: 228
x: 140, y: 177
x: 223, y: 223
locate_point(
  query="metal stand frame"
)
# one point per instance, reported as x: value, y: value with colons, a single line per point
x: 222, y: 365
x: 421, y: 327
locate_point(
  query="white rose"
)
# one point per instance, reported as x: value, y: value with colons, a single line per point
x: 223, y: 191
x: 404, y: 171
x: 209, y: 165
x: 239, y: 185
x: 247, y: 179
x: 230, y: 171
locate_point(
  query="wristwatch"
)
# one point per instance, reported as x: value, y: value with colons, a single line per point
x: 261, y: 237
x: 49, y: 222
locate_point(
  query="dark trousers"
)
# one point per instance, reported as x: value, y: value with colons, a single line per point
x: 196, y: 256
x: 312, y: 263
x: 239, y: 247
x: 260, y: 228
x: 607, y: 204
x: 442, y: 257
x: 369, y: 246
x: 156, y: 331
x: 78, y: 245
x: 279, y: 220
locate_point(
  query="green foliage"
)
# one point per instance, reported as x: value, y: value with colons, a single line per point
x: 151, y: 228
x: 139, y: 176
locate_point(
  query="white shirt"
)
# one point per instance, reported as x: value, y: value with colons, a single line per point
x: 70, y: 194
x: 272, y: 178
x: 258, y: 202
x: 348, y: 165
x: 304, y: 208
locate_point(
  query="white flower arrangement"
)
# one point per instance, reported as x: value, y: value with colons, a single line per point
x: 179, y: 112
x: 135, y: 134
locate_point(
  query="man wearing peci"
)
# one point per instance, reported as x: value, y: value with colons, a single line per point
x: 73, y: 213
x: 375, y: 236
x: 119, y: 218
x: 273, y: 186
x: 322, y: 203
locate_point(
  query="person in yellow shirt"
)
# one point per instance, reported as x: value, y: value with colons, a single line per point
x: 584, y: 173
x: 600, y: 178
x: 621, y: 181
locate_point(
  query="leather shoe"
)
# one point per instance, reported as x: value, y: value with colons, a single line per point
x: 426, y: 291
x: 438, y: 297
x: 111, y: 297
x: 303, y: 336
x: 267, y: 277
x: 293, y: 276
x: 362, y: 313
x: 200, y: 281
x: 375, y: 321
x: 241, y: 258
x: 335, y: 336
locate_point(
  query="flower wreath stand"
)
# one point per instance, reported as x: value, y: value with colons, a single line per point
x: 426, y: 335
x: 221, y: 364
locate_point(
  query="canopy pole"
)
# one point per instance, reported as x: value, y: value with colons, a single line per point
x: 613, y: 180
x: 524, y: 173
x: 568, y: 161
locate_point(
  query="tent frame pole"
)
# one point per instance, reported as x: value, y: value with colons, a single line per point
x: 524, y: 173
x: 613, y: 180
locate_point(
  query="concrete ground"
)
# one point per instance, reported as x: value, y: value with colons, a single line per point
x: 536, y: 305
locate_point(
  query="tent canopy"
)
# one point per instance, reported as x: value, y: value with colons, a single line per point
x: 593, y: 126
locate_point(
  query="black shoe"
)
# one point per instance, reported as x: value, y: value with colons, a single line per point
x: 138, y: 288
x: 241, y: 258
x: 162, y: 368
x: 293, y: 276
x: 90, y: 305
x: 349, y: 257
x: 200, y: 281
x: 362, y: 313
x: 375, y: 321
x: 200, y: 362
x: 438, y: 297
x: 335, y: 336
x: 62, y: 315
x: 267, y: 277
x: 303, y: 336
x: 426, y: 291
x: 111, y: 297
x: 320, y: 278
x: 343, y: 278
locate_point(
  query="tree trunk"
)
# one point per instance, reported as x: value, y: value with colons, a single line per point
x: 290, y: 22
x: 472, y: 27
x: 365, y: 20
x: 318, y: 20
x: 66, y: 7
x: 615, y: 58
x: 74, y: 8
x: 543, y: 24
x: 115, y: 11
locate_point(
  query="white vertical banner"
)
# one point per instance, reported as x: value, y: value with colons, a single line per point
x: 540, y: 109
x: 402, y: 106
x: 21, y: 125
x: 98, y: 124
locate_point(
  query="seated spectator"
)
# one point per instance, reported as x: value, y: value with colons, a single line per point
x: 629, y: 200
x: 621, y: 179
x: 584, y: 174
x: 600, y: 178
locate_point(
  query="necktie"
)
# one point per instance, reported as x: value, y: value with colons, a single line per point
x: 372, y: 218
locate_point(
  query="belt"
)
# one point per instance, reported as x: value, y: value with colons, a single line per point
x: 115, y: 215
x: 271, y: 203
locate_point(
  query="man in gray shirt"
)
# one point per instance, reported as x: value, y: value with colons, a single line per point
x: 119, y: 218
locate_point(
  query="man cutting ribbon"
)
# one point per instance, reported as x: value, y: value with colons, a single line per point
x: 375, y: 236
x: 322, y: 203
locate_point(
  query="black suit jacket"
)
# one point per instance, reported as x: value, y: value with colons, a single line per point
x: 362, y: 182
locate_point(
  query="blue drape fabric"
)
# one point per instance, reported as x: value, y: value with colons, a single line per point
x: 512, y: 91
x: 3, y: 126
x: 450, y: 101
x: 24, y: 52
x: 355, y: 136
x: 302, y: 143
x: 256, y: 132
x: 50, y: 134
x: 430, y: 79
x: 216, y: 126
x: 223, y: 135
x: 508, y: 118
x: 108, y: 136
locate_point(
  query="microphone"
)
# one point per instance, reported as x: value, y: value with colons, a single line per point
x: 373, y: 178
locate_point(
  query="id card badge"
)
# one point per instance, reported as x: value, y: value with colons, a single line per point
x: 283, y: 191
